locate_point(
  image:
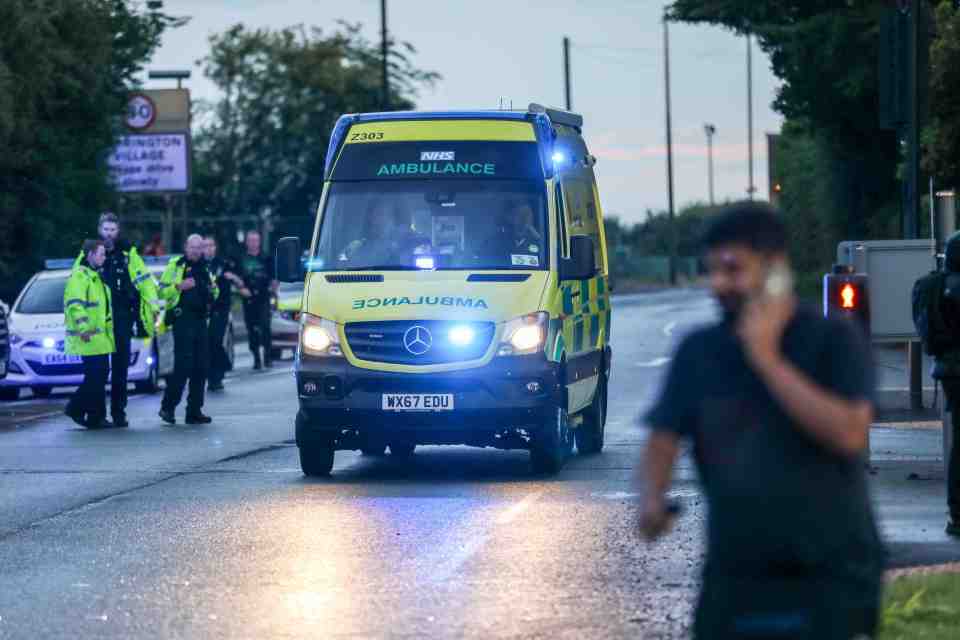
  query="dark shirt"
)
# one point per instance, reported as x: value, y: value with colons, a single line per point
x: 116, y: 275
x: 198, y: 299
x: 218, y: 266
x: 776, y: 497
x: 257, y: 274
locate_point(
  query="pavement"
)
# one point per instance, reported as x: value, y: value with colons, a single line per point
x: 212, y: 531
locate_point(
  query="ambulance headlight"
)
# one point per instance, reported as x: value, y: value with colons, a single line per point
x: 524, y: 335
x: 461, y: 336
x: 318, y: 337
x: 49, y: 343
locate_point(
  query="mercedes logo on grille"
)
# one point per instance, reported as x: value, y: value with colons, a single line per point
x: 417, y: 340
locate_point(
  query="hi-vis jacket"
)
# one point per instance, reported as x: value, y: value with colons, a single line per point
x: 146, y: 286
x: 172, y: 276
x: 86, y: 305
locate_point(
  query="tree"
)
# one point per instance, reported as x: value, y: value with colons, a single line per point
x: 942, y: 135
x: 825, y: 52
x: 264, y: 145
x: 65, y: 69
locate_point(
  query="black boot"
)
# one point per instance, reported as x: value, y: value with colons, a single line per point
x: 257, y: 365
x: 198, y: 418
x: 75, y: 414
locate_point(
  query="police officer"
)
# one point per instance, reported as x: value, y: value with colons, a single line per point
x: 189, y: 290
x: 135, y: 306
x: 86, y: 306
x: 256, y: 271
x: 947, y: 370
x: 222, y: 270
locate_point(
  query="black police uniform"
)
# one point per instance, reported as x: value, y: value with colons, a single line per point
x: 191, y: 342
x: 947, y: 370
x: 257, y: 274
x: 219, y: 321
x: 126, y: 314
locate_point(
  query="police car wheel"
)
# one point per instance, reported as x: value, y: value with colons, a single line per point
x: 402, y: 449
x: 316, y: 460
x: 374, y: 450
x: 590, y: 433
x: 42, y: 392
x: 9, y: 394
x: 552, y: 444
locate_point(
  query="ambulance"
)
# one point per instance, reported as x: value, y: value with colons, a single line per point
x: 457, y: 289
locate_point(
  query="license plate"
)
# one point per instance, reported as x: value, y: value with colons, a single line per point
x: 418, y: 402
x: 61, y: 358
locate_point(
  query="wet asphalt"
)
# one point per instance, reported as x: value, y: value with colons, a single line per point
x: 189, y: 532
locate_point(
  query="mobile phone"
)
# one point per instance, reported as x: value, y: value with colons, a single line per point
x: 779, y: 281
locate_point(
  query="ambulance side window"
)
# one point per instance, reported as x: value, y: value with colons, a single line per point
x: 561, y: 222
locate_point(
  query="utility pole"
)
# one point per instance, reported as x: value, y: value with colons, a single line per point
x: 566, y: 72
x: 666, y: 78
x: 751, y: 189
x: 384, y: 52
x: 710, y: 131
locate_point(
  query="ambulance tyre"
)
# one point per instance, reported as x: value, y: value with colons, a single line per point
x: 316, y: 459
x: 552, y: 444
x: 590, y: 433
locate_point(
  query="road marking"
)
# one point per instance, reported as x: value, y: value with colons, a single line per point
x: 668, y: 329
x: 446, y: 569
x: 656, y: 362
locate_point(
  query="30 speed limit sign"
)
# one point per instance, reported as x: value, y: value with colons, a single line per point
x: 141, y: 112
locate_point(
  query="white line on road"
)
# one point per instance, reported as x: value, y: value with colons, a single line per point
x: 449, y: 566
x: 656, y: 362
x: 668, y: 329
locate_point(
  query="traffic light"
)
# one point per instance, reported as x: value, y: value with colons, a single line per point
x: 845, y: 295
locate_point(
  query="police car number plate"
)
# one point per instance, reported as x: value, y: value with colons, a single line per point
x: 417, y: 402
x: 61, y: 358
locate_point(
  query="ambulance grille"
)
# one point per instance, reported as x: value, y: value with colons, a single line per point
x: 354, y: 277
x: 429, y: 341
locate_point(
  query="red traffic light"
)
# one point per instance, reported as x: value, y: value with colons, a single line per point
x: 848, y: 297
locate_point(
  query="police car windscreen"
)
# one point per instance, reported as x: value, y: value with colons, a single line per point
x: 464, y: 224
x: 43, y: 296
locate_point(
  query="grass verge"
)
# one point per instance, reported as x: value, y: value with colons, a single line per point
x: 922, y: 607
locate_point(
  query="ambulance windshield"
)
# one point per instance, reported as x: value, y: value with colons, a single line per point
x: 486, y: 224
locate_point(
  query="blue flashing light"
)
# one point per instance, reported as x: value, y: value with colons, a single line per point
x: 558, y: 158
x: 425, y: 262
x: 336, y: 140
x: 442, y: 115
x: 545, y: 136
x: 461, y: 336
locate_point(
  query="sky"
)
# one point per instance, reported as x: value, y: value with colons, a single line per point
x: 511, y: 51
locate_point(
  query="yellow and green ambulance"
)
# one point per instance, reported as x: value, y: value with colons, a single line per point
x: 456, y: 289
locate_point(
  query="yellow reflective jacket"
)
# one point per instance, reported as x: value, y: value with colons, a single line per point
x: 172, y: 276
x: 86, y: 306
x: 146, y: 286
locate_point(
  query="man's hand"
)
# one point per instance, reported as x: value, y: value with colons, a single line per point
x: 246, y: 293
x: 655, y: 520
x: 762, y: 325
x: 187, y: 284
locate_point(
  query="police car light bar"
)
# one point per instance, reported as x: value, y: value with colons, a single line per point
x: 56, y: 264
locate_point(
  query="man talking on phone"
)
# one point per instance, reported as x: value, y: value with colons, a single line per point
x: 776, y: 401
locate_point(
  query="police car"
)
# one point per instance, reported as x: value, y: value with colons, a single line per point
x: 285, y: 321
x: 38, y: 360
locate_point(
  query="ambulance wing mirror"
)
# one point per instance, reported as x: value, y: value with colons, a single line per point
x: 581, y: 264
x: 289, y: 267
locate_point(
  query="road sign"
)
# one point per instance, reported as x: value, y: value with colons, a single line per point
x: 151, y: 163
x: 141, y: 112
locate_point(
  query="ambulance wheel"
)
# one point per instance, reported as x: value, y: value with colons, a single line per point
x: 554, y: 442
x: 316, y: 460
x: 42, y: 392
x: 590, y: 433
x: 9, y: 394
x: 402, y: 449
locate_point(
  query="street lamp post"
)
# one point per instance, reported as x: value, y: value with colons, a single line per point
x: 672, y: 261
x: 710, y: 131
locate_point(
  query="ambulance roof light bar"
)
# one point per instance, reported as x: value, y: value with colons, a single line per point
x: 558, y: 116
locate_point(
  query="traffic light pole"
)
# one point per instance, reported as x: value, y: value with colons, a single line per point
x: 566, y: 74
